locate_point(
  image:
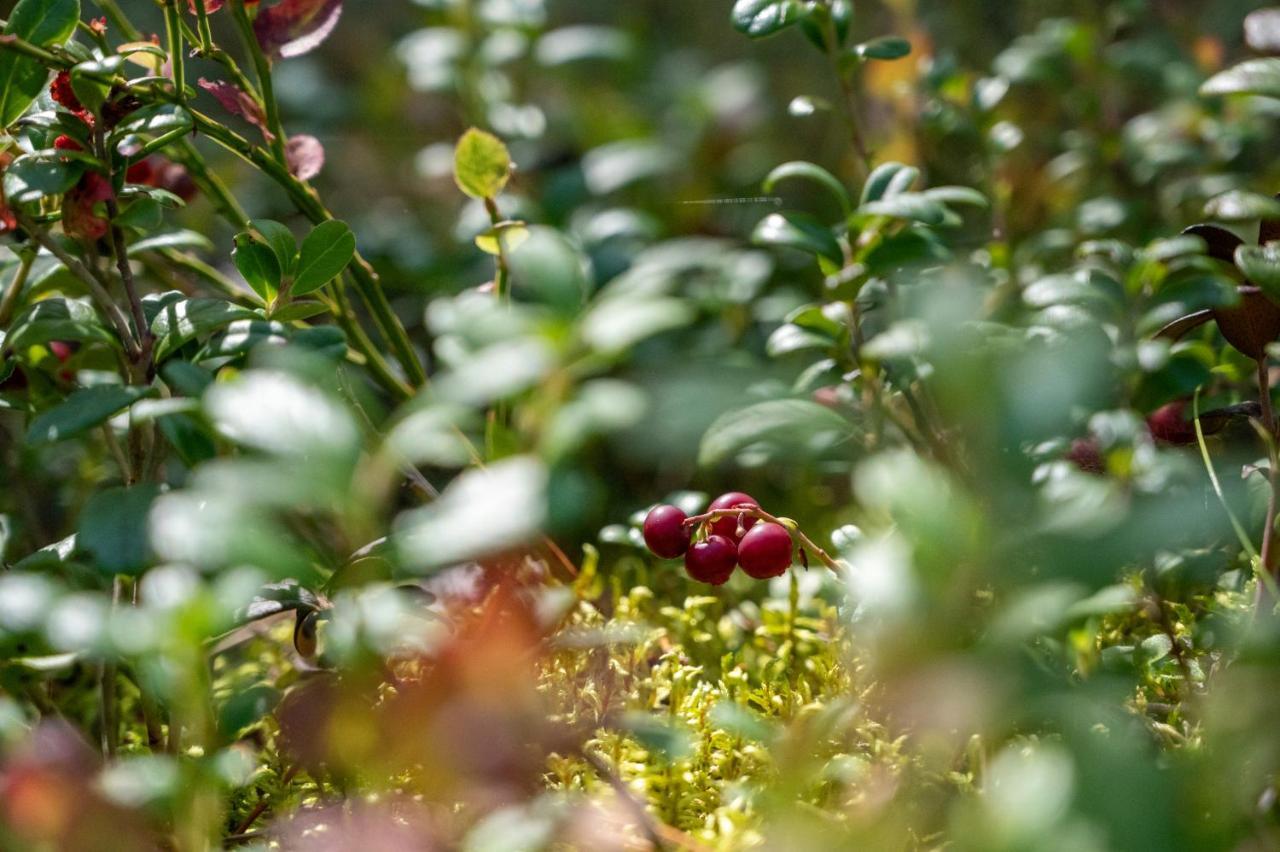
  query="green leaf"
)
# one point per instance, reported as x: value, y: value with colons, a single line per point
x: 760, y: 18
x: 907, y: 205
x: 881, y: 178
x: 186, y: 319
x: 1253, y: 77
x: 257, y: 263
x: 83, y: 410
x: 1241, y: 206
x: 884, y: 48
x: 611, y: 326
x: 325, y: 253
x: 88, y: 80
x: 775, y: 429
x: 797, y: 231
x: 281, y: 241
x: 1261, y: 265
x: 299, y: 310
x: 246, y: 706
x: 113, y: 528
x: 145, y: 214
x: 182, y: 239
x: 481, y: 164
x: 43, y: 23
x: 808, y: 171
x: 957, y: 195
x: 32, y: 177
x: 483, y: 511
x: 57, y: 318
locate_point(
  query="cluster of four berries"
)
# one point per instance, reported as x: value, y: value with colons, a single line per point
x: 725, y: 540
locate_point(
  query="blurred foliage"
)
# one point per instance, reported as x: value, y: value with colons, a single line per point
x: 346, y: 346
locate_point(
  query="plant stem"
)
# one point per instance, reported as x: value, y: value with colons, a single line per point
x: 760, y: 514
x: 1273, y: 479
x: 10, y: 300
x: 262, y: 68
x: 173, y: 31
x: 849, y: 98
x: 96, y: 288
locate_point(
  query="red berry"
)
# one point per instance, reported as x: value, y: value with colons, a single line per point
x: 765, y: 551
x: 66, y: 143
x: 1170, y: 425
x: 61, y: 350
x: 664, y: 531
x: 1085, y: 454
x: 727, y: 526
x: 711, y: 560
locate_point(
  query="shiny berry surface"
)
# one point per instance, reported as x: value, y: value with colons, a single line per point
x: 711, y: 560
x: 664, y: 531
x: 765, y: 551
x: 728, y: 525
x: 1170, y: 424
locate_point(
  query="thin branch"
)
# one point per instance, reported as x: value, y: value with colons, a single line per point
x: 96, y: 288
x: 19, y: 280
x: 760, y: 514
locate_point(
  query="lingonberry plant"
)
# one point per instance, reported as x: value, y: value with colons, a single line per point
x: 342, y: 402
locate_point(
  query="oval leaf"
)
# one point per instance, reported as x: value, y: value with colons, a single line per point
x: 257, y: 263
x: 760, y: 18
x: 325, y: 253
x: 797, y: 231
x: 481, y: 164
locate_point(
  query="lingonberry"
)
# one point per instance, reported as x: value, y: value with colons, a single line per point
x: 711, y: 560
x: 1169, y: 424
x: 1086, y: 455
x: 727, y: 526
x: 664, y: 531
x: 765, y: 551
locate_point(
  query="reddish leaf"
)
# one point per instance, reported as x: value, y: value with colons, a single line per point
x: 305, y: 156
x: 211, y: 6
x: 294, y: 27
x: 80, y: 218
x: 238, y: 102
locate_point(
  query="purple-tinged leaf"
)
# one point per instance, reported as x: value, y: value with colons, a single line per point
x: 305, y: 156
x: 238, y: 102
x: 294, y: 27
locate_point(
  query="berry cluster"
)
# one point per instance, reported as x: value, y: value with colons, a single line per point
x: 732, y: 532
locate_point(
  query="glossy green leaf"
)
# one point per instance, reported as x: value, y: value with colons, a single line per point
x: 1252, y: 77
x: 58, y: 318
x: 481, y: 164
x: 32, y: 177
x: 778, y: 429
x: 113, y: 528
x: 83, y: 410
x: 884, y: 48
x: 797, y: 231
x: 1241, y: 206
x: 282, y: 243
x: 325, y: 253
x: 43, y: 23
x: 760, y: 18
x: 1261, y: 265
x: 907, y: 205
x: 181, y: 321
x: 799, y: 169
x: 257, y: 264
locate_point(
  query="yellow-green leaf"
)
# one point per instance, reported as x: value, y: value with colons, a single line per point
x: 481, y: 164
